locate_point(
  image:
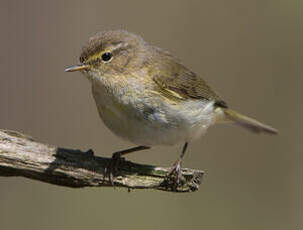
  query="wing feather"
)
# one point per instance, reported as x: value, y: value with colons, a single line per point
x: 176, y: 81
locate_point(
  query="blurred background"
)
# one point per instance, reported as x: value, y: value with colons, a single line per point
x: 249, y: 51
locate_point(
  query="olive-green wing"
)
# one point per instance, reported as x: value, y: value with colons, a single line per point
x: 176, y: 81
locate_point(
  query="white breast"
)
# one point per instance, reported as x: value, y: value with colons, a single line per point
x: 150, y: 120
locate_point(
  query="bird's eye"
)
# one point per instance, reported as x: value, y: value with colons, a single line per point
x: 106, y: 57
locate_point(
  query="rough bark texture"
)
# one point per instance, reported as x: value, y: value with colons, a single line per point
x: 20, y: 155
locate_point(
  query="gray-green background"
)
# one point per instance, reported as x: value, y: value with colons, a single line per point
x: 249, y: 51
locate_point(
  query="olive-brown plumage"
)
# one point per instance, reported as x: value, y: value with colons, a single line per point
x: 147, y: 96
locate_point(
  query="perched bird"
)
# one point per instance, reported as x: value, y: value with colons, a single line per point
x: 147, y: 96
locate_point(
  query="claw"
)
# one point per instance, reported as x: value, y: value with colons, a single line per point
x: 112, y: 168
x: 175, y: 174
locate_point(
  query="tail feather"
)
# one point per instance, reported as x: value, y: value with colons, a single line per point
x: 247, y: 122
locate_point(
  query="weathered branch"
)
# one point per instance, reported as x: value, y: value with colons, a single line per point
x: 20, y: 155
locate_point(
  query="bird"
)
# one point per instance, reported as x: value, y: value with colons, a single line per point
x: 147, y: 96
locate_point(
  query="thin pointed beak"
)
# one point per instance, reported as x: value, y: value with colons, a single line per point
x: 77, y: 68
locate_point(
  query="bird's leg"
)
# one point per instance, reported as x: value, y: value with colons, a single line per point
x: 175, y: 172
x: 112, y: 168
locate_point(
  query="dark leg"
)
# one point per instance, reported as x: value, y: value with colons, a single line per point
x: 112, y: 168
x: 131, y: 150
x: 175, y: 172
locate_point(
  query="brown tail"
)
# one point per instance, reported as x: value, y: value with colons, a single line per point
x: 247, y: 122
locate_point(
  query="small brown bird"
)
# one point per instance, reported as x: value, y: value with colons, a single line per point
x: 148, y: 97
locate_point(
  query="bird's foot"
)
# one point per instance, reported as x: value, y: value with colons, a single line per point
x: 175, y: 175
x: 111, y: 170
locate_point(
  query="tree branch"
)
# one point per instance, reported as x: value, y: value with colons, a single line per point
x: 20, y: 155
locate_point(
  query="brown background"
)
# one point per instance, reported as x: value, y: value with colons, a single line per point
x: 249, y: 51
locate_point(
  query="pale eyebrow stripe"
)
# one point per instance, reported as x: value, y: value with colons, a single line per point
x: 119, y: 45
x: 115, y: 47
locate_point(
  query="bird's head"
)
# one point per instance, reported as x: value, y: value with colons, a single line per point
x: 111, y: 53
